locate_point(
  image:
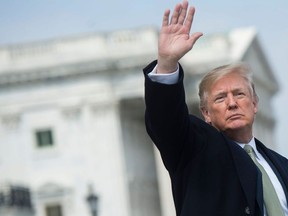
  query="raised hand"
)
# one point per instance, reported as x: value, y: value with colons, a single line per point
x: 175, y: 39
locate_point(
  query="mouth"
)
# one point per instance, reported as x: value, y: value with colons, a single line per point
x: 234, y: 117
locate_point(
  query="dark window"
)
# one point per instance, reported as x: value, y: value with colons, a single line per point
x: 20, y: 196
x: 44, y: 138
x: 54, y: 210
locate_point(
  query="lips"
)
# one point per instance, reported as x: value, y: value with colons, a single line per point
x: 234, y: 116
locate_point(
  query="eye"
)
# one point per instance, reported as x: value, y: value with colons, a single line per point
x: 219, y: 99
x: 240, y: 94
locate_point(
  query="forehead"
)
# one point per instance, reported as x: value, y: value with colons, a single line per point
x: 231, y: 81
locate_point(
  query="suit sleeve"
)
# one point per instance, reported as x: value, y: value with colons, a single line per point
x: 166, y: 117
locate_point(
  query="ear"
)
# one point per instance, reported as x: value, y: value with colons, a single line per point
x: 255, y: 103
x: 206, y: 115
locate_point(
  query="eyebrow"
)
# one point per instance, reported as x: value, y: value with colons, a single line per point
x: 222, y: 92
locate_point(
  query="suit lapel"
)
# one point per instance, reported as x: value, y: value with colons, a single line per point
x: 279, y: 168
x: 248, y: 176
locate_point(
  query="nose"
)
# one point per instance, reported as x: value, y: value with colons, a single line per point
x: 231, y: 102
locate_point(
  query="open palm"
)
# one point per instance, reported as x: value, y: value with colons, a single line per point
x: 175, y: 39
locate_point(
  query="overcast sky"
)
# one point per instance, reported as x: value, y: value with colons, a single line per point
x: 34, y: 20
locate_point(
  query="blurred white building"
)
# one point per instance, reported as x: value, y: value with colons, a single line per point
x: 72, y: 118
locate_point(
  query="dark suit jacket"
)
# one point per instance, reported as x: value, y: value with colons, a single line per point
x: 210, y: 174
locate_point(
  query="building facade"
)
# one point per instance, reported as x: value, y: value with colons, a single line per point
x: 72, y: 118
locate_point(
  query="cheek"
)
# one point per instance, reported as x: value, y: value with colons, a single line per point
x: 217, y: 114
x: 251, y: 108
x: 218, y: 109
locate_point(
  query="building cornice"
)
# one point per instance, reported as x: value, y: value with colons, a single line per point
x: 101, y: 67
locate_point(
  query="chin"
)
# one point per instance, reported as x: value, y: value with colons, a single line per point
x: 236, y: 125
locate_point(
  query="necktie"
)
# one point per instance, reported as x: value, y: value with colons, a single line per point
x: 271, y: 200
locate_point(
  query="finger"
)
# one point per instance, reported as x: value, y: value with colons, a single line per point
x: 189, y: 19
x: 194, y: 37
x: 175, y: 15
x: 165, y: 20
x: 183, y: 13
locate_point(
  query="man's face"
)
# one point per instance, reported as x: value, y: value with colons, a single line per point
x: 231, y: 106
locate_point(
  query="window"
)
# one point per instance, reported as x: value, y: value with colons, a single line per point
x: 44, y: 138
x: 53, y: 210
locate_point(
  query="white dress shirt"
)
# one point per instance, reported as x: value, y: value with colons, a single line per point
x: 172, y: 78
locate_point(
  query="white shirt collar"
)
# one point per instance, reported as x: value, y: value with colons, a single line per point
x: 252, y: 144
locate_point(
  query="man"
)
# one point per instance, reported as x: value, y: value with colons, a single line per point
x: 211, y: 173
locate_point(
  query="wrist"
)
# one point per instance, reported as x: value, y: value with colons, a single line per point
x: 166, y: 66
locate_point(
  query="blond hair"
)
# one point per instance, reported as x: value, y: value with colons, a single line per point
x: 214, y: 75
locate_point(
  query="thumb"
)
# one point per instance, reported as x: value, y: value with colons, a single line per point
x: 194, y: 37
